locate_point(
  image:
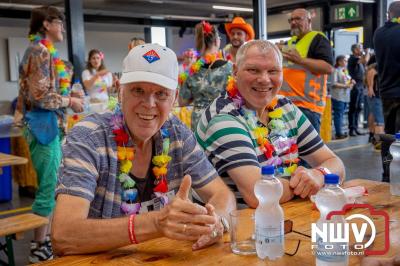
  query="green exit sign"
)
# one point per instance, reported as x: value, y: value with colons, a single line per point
x: 346, y: 12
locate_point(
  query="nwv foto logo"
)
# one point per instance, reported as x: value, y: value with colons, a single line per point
x: 337, y: 232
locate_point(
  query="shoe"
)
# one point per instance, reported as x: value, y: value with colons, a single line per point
x: 340, y: 136
x: 47, y: 243
x: 39, y: 252
x: 352, y: 133
x: 358, y: 132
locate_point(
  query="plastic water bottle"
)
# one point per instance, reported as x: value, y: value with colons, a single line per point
x: 395, y: 167
x: 77, y: 88
x: 330, y: 198
x: 269, y: 222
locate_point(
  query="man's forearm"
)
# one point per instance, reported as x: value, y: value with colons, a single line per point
x: 95, y: 235
x: 317, y: 66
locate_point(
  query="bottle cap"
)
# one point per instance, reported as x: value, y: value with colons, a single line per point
x: 268, y: 170
x: 77, y: 80
x: 332, y: 179
x: 397, y: 136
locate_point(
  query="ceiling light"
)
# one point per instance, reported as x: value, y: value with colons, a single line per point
x: 234, y: 8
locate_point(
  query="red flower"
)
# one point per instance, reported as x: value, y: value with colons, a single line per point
x: 207, y: 28
x: 268, y: 150
x: 120, y: 137
x: 162, y: 186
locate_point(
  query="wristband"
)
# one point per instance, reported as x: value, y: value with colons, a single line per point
x: 131, y: 229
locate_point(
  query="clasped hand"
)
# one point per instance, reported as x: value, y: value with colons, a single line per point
x: 306, y: 182
x: 185, y: 220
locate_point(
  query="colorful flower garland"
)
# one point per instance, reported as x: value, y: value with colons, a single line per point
x: 396, y: 20
x: 126, y: 154
x: 64, y: 78
x: 282, y: 145
x: 195, y: 67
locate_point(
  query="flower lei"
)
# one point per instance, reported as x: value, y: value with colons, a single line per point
x: 63, y: 77
x: 281, y: 144
x: 126, y: 154
x: 396, y: 20
x: 195, y: 67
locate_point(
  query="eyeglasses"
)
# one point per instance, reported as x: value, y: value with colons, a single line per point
x: 296, y: 19
x: 160, y: 96
x: 58, y: 22
x: 288, y: 227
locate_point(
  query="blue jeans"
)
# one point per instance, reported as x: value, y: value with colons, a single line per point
x: 375, y: 107
x: 313, y: 117
x: 339, y: 108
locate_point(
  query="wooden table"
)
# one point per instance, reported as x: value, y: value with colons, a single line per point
x: 164, y: 251
x: 7, y: 160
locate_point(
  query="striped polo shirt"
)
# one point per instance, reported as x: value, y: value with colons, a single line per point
x: 89, y: 166
x: 229, y: 142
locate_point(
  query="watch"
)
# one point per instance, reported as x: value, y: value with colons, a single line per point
x: 224, y: 223
x: 324, y: 170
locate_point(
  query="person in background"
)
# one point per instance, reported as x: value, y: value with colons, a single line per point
x: 135, y: 41
x: 127, y: 174
x: 376, y: 122
x: 340, y: 93
x: 44, y: 94
x: 387, y: 51
x: 239, y: 32
x: 356, y: 67
x: 207, y: 77
x: 252, y: 126
x: 96, y: 78
x: 308, y: 62
x: 189, y: 56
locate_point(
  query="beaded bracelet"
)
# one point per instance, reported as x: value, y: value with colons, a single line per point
x: 131, y: 229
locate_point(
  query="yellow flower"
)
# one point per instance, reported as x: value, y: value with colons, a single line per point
x: 125, y: 166
x: 292, y: 168
x: 161, y: 160
x: 277, y: 113
x: 260, y: 132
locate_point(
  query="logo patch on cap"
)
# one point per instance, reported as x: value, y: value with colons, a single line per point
x: 151, y: 56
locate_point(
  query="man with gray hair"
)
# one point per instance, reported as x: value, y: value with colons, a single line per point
x: 387, y: 50
x: 251, y: 126
x: 307, y: 62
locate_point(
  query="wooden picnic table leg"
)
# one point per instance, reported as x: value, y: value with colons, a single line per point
x: 10, y: 250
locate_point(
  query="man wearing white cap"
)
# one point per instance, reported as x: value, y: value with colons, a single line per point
x: 126, y: 174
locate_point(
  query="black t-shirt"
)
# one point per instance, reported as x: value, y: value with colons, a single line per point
x: 320, y: 48
x: 387, y: 50
x: 356, y: 69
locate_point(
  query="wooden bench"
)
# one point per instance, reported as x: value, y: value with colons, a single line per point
x: 14, y: 227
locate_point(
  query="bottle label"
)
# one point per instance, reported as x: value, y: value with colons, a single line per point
x: 331, y: 252
x: 269, y: 234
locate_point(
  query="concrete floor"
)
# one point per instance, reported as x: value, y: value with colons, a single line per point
x: 359, y: 157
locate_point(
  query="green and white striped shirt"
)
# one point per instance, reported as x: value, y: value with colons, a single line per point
x: 229, y: 142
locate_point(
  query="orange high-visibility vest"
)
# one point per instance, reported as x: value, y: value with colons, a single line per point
x: 303, y: 88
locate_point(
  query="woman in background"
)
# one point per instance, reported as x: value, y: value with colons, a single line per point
x: 96, y: 78
x: 340, y: 94
x: 207, y: 77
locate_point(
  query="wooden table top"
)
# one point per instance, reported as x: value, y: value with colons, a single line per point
x: 7, y: 159
x: 165, y: 251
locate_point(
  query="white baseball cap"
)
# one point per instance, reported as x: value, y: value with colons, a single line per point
x: 151, y: 63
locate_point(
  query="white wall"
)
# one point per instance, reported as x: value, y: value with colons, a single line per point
x: 112, y: 40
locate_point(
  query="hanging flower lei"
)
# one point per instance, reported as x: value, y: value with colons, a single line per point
x: 281, y: 145
x: 63, y: 77
x: 396, y: 20
x: 126, y: 154
x: 196, y: 66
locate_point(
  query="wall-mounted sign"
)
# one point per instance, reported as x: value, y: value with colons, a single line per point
x: 346, y: 12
